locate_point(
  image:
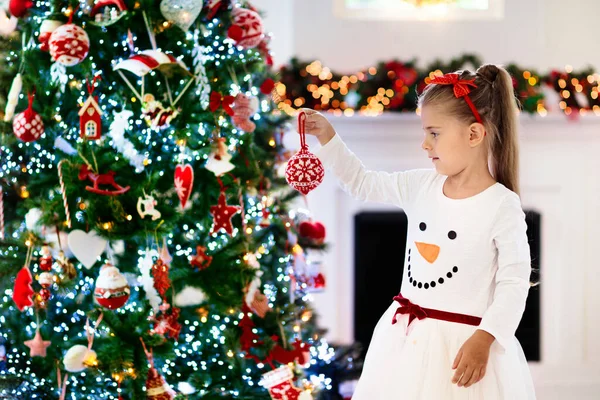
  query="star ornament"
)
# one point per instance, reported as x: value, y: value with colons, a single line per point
x: 37, y: 345
x: 222, y: 214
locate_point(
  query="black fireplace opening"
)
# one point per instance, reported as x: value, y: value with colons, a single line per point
x: 379, y: 248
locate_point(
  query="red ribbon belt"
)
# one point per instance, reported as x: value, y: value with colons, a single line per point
x: 415, y: 311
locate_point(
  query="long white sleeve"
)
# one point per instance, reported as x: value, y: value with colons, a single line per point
x: 502, y: 317
x: 378, y: 186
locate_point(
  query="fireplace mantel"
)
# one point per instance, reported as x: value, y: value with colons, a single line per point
x: 560, y: 178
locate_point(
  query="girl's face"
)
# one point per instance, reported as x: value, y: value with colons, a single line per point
x: 447, y: 141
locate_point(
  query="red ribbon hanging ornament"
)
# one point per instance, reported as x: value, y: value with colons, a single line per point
x: 304, y: 170
x: 90, y: 115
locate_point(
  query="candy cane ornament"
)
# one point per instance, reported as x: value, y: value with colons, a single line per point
x: 64, y: 193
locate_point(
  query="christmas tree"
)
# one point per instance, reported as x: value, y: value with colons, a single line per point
x: 149, y: 247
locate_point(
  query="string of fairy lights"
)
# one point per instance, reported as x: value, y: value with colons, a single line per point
x: 340, y: 94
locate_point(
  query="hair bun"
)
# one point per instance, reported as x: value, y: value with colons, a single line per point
x: 489, y: 72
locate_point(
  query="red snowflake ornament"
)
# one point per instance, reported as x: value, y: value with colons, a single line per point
x: 222, y: 214
x: 304, y: 170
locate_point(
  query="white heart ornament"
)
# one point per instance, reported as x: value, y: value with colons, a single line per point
x: 182, y: 13
x: 86, y: 247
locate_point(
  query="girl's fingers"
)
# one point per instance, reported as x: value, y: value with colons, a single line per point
x: 474, y: 378
x: 466, y: 376
x: 459, y: 373
x: 457, y: 359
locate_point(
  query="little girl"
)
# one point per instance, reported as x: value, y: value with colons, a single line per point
x: 449, y: 334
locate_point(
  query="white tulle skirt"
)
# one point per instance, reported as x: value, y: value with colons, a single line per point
x: 416, y: 364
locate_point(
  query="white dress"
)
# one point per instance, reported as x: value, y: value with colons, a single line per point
x: 468, y: 256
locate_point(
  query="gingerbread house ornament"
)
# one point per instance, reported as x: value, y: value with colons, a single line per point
x: 90, y: 119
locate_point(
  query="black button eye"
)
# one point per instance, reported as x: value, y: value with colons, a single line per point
x: 452, y: 235
x: 422, y: 226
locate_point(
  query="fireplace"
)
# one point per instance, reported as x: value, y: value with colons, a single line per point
x: 380, y: 244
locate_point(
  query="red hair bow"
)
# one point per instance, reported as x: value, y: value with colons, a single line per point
x: 217, y: 99
x: 461, y: 89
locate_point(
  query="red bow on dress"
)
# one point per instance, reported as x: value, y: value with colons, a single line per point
x: 461, y: 89
x: 406, y: 307
x: 217, y: 99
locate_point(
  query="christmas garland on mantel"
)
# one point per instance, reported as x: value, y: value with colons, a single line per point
x: 393, y: 86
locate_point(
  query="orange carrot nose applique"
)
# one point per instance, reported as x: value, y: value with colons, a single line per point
x: 429, y: 252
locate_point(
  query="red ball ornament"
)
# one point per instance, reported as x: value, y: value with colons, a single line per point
x: 45, y: 294
x: 267, y: 86
x: 312, y: 230
x: 69, y: 45
x: 18, y: 8
x: 112, y: 290
x: 28, y: 125
x: 247, y: 28
x: 304, y: 171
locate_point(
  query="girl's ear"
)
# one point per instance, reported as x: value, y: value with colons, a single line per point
x: 476, y: 134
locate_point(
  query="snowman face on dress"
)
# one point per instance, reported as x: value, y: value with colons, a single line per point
x: 429, y: 252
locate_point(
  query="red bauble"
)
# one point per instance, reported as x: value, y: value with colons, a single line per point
x: 28, y: 125
x: 45, y: 294
x: 69, y: 45
x: 18, y: 8
x: 312, y: 230
x: 112, y: 290
x: 247, y: 28
x: 304, y: 171
x: 267, y: 86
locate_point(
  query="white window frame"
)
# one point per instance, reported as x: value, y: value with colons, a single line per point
x: 94, y: 125
x: 495, y: 11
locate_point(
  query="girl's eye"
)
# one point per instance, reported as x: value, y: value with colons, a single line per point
x: 434, y: 134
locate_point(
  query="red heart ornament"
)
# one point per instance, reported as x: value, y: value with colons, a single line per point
x: 184, y: 180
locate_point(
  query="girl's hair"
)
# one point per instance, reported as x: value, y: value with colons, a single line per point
x: 495, y: 101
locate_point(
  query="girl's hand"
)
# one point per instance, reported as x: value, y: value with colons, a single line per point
x: 317, y: 125
x: 472, y: 358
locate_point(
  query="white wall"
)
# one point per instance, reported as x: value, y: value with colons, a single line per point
x: 540, y: 34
